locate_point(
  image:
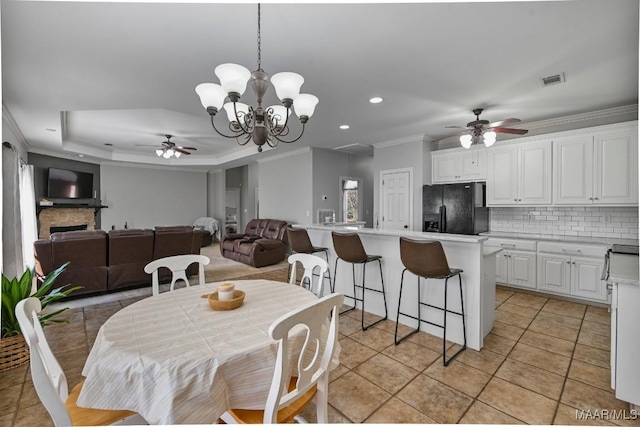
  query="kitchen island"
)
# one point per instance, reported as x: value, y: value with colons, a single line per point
x: 465, y: 252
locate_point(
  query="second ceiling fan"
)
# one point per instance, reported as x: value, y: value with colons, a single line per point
x: 169, y: 148
x: 478, y: 128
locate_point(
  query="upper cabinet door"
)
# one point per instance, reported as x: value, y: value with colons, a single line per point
x: 458, y: 166
x: 502, y: 176
x: 616, y: 167
x: 534, y: 170
x: 572, y: 170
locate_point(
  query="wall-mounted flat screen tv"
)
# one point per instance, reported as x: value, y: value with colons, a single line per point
x: 67, y: 184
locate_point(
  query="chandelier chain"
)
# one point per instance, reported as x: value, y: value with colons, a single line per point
x: 259, y: 41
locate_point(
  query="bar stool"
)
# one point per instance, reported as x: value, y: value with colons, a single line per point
x: 348, y: 247
x: 427, y: 259
x: 301, y: 244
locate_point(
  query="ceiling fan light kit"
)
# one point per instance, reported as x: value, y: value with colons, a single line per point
x: 263, y: 126
x: 488, y: 131
x: 169, y: 149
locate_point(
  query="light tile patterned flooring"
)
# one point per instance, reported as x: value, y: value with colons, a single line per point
x: 544, y: 359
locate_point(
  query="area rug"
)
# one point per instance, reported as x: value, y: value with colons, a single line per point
x: 221, y: 268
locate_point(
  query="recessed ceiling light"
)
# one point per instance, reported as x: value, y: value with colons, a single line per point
x: 375, y: 100
x: 80, y: 155
x: 344, y: 126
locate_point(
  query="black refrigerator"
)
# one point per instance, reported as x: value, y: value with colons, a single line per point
x: 455, y: 208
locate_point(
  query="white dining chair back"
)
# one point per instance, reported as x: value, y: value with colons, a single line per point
x: 48, y: 377
x: 310, y: 263
x: 311, y: 352
x: 312, y: 372
x: 178, y: 265
x: 50, y: 381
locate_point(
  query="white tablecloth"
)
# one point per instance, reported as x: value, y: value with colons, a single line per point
x: 175, y: 361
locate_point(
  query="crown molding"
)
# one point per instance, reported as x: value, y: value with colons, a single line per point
x: 582, y: 117
x: 8, y: 119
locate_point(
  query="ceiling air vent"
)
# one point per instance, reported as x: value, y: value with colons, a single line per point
x: 552, y: 80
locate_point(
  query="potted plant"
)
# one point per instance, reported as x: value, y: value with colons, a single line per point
x: 13, y: 349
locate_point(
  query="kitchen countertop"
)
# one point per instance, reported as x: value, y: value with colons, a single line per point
x: 623, y: 268
x: 400, y: 233
x: 557, y: 238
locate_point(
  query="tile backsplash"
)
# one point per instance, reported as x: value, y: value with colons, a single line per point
x: 611, y: 222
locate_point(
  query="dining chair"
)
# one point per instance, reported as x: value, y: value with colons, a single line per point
x: 310, y: 263
x: 289, y: 394
x: 178, y: 265
x: 50, y: 381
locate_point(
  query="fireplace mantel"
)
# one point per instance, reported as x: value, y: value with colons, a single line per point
x: 96, y: 208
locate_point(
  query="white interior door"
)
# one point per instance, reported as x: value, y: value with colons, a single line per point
x: 397, y: 199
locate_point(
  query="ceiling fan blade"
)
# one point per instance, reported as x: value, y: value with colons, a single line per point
x: 149, y: 145
x: 188, y: 148
x: 180, y: 150
x: 511, y: 131
x: 456, y: 127
x: 503, y: 122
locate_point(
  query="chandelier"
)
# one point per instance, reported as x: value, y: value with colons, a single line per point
x: 262, y: 125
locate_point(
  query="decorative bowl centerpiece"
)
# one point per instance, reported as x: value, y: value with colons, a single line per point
x: 218, y: 305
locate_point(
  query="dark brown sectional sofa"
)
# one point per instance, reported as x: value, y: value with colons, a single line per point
x: 102, y: 262
x: 264, y: 242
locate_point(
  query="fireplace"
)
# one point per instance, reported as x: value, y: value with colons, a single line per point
x: 64, y: 228
x: 55, y: 219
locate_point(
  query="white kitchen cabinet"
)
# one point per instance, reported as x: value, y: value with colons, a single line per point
x: 596, y: 168
x: 625, y: 318
x: 519, y: 174
x: 554, y: 273
x: 458, y: 166
x: 514, y: 266
x: 571, y: 269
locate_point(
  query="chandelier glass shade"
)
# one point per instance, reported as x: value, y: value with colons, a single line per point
x: 268, y: 125
x: 488, y: 137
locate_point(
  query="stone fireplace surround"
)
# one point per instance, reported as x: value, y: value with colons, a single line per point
x: 65, y: 217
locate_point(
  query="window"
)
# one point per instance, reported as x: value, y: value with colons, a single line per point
x: 350, y: 200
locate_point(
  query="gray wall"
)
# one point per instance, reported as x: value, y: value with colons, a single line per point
x: 411, y: 154
x: 328, y: 167
x: 146, y: 197
x: 41, y: 164
x: 215, y: 196
x: 362, y: 167
x: 286, y: 186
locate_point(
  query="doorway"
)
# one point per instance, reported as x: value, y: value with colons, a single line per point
x: 396, y: 189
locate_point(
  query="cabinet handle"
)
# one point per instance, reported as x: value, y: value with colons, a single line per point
x: 574, y: 263
x: 590, y: 198
x: 568, y: 262
x: 596, y: 199
x: 609, y: 287
x: 515, y: 200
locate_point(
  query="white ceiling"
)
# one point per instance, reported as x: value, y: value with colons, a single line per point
x: 79, y: 75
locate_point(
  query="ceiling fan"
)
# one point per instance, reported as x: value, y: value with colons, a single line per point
x: 168, y: 148
x: 478, y: 128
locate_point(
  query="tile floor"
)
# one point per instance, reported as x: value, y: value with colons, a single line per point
x: 545, y: 359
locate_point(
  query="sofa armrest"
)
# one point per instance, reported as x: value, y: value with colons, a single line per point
x: 269, y: 243
x: 234, y: 236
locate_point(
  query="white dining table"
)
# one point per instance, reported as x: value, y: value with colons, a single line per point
x: 174, y: 360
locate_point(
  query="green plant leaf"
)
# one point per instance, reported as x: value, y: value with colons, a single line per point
x: 16, y: 289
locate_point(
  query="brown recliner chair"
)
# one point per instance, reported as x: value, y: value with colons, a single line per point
x: 264, y: 242
x: 129, y: 251
x: 86, y: 252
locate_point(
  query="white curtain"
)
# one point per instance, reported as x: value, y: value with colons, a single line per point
x: 28, y: 215
x: 13, y: 264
